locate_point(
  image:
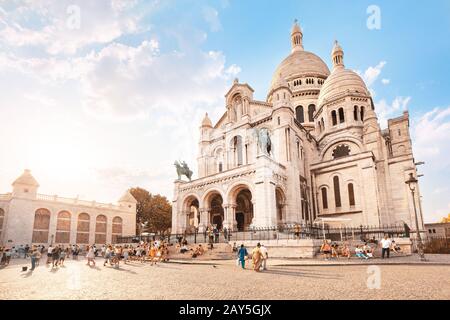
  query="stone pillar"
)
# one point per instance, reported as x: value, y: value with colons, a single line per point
x: 265, y: 210
x: 230, y: 217
x: 73, y: 227
x: 204, y: 219
x: 52, y: 226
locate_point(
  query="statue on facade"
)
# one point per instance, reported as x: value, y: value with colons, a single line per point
x: 183, y: 169
x: 264, y: 141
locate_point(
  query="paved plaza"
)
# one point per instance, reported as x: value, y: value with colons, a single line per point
x: 223, y: 280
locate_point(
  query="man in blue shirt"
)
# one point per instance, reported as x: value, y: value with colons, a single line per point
x: 242, y: 253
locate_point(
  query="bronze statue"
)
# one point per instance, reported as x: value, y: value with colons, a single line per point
x: 183, y: 169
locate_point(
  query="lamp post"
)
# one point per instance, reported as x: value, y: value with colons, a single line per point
x: 411, y: 184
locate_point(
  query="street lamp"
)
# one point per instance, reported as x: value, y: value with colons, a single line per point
x: 411, y: 182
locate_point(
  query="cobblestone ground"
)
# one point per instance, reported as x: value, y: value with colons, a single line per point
x: 223, y: 281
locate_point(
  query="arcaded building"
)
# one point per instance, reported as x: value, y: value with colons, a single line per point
x: 324, y: 154
x: 27, y: 217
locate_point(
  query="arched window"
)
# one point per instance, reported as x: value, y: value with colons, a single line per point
x: 351, y: 194
x: 299, y: 114
x: 311, y: 110
x: 220, y: 167
x: 100, y: 229
x: 341, y: 115
x: 63, y: 227
x: 83, y: 228
x: 116, y: 228
x: 355, y: 113
x: 337, y: 192
x: 324, y: 198
x: 362, y: 114
x: 334, y: 117
x: 41, y: 226
x: 341, y: 151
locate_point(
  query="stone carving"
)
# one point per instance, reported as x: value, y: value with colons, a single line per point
x: 264, y: 141
x: 183, y: 170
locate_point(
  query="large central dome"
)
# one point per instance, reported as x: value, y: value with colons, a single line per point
x: 299, y: 63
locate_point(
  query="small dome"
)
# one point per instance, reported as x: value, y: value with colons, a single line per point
x: 26, y: 179
x: 206, y: 121
x: 340, y: 82
x: 299, y: 63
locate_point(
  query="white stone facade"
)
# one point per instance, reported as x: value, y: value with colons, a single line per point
x: 27, y: 217
x: 328, y: 158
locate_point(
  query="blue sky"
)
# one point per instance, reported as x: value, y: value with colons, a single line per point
x: 107, y: 104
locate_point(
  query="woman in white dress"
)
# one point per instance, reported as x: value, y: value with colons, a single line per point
x: 90, y: 256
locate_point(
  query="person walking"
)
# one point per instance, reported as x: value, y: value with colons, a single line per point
x: 265, y: 256
x: 242, y: 254
x: 55, y: 256
x: 33, y: 255
x: 107, y: 256
x: 256, y: 257
x: 49, y: 254
x: 385, y: 246
x: 90, y: 256
x: 62, y: 256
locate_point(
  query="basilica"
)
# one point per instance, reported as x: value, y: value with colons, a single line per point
x: 312, y: 150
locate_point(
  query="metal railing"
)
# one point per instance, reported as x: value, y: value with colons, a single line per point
x: 282, y: 232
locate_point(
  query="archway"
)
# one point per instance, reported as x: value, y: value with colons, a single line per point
x: 100, y: 229
x: 244, y: 209
x: 41, y: 226
x: 63, y: 227
x: 280, y: 200
x: 217, y: 213
x: 191, y: 209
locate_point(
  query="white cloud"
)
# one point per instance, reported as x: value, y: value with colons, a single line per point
x: 100, y: 22
x: 386, y: 110
x: 385, y: 81
x: 372, y: 73
x: 211, y: 16
x: 431, y: 133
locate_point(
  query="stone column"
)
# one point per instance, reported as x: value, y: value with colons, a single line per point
x: 52, y: 225
x: 204, y: 219
x: 265, y: 210
x: 73, y: 227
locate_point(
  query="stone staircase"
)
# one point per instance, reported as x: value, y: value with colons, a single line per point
x: 220, y: 251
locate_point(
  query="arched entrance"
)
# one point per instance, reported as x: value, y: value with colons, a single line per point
x: 217, y: 212
x: 191, y: 209
x: 244, y: 209
x: 280, y: 203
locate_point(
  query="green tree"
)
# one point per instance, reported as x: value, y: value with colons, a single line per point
x: 154, y: 211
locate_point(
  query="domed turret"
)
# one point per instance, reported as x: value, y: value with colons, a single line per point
x: 206, y: 121
x: 342, y: 81
x: 296, y: 37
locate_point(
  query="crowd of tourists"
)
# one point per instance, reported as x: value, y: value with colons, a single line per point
x: 154, y: 252
x: 364, y: 250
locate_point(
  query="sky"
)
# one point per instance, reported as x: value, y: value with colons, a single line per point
x: 100, y: 96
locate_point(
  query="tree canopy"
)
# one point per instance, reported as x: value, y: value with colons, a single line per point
x: 155, y: 211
